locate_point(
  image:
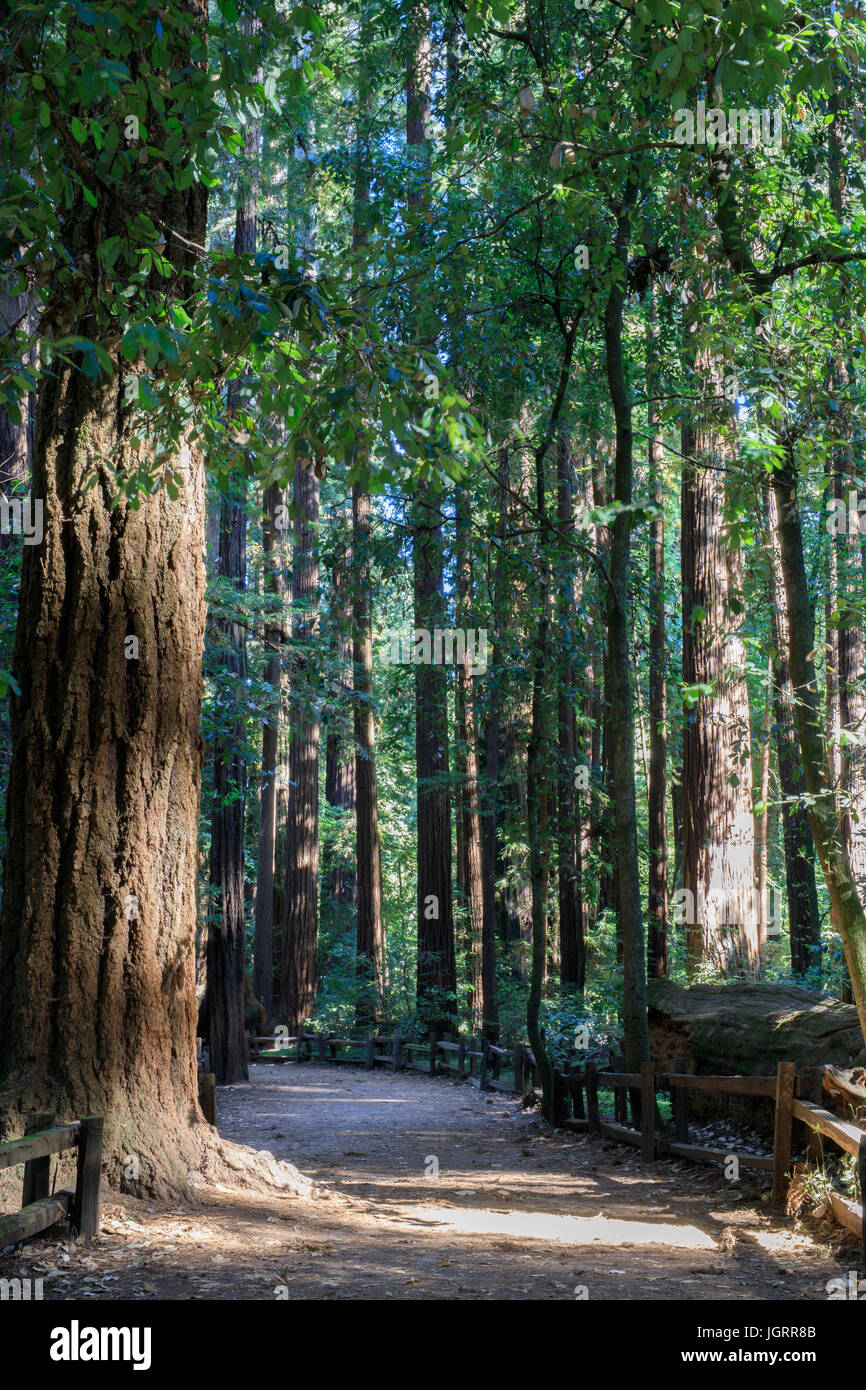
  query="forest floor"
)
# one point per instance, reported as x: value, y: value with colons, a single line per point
x: 518, y: 1210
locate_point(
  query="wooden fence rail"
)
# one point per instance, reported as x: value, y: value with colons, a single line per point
x: 41, y: 1209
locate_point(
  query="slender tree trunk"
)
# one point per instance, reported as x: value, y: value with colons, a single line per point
x: 275, y: 636
x: 301, y: 904
x: 469, y: 873
x: 762, y: 820
x: 572, y: 953
x: 804, y: 922
x: 636, y: 1038
x: 339, y: 876
x: 436, y: 969
x: 491, y: 803
x: 370, y: 937
x: 823, y: 814
x: 370, y: 934
x: 226, y: 947
x: 657, y: 903
x: 227, y: 924
x: 849, y: 573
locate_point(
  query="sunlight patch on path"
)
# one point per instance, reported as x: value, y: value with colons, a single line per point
x: 569, y: 1230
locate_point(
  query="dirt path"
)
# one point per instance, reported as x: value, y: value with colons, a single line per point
x: 517, y: 1211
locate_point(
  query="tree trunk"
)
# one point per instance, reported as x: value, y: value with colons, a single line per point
x: 469, y: 875
x: 370, y: 937
x: 657, y: 898
x: 226, y: 947
x: 301, y: 903
x: 97, y: 998
x: 823, y: 814
x: 339, y: 876
x: 226, y: 941
x: 275, y: 636
x: 636, y: 1043
x: 436, y: 968
x: 804, y: 922
x: 370, y: 934
x: 718, y: 826
x: 490, y: 858
x: 572, y: 954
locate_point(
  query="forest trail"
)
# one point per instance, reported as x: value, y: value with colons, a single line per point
x: 518, y: 1211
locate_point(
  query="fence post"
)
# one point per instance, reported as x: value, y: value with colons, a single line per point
x: 370, y: 1052
x: 398, y: 1049
x: 461, y: 1059
x: 85, y: 1208
x: 592, y: 1098
x: 521, y: 1066
x: 207, y: 1095
x: 576, y: 1089
x: 680, y: 1104
x: 433, y: 1045
x: 782, y: 1134
x: 647, y: 1110
x: 482, y: 1075
x: 812, y: 1091
x: 37, y: 1171
x: 861, y: 1173
x: 620, y: 1095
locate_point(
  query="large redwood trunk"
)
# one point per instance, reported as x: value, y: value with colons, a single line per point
x: 97, y: 1000
x: 718, y: 826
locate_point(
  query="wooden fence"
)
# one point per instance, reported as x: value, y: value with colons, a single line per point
x: 43, y: 1137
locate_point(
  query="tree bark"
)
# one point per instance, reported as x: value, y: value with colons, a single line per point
x: 718, y: 826
x: 301, y: 904
x: 275, y: 636
x: 804, y: 922
x: 823, y: 814
x: 572, y: 953
x: 436, y: 967
x: 370, y: 934
x: 97, y: 930
x: 226, y: 947
x: 636, y: 1044
x: 469, y: 873
x: 657, y: 897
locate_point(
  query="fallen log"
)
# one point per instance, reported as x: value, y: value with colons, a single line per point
x: 847, y: 1090
x: 746, y: 1028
